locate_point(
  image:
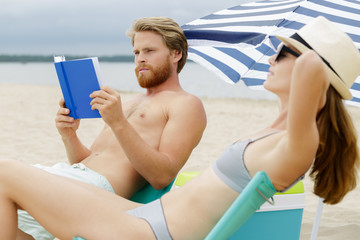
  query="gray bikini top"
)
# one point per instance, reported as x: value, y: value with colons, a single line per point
x: 230, y: 167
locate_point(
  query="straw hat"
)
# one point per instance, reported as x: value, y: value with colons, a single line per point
x: 337, y: 50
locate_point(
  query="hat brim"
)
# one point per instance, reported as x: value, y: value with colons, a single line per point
x: 334, y: 79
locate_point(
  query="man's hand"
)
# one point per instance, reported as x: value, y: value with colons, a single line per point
x: 108, y: 102
x: 66, y: 125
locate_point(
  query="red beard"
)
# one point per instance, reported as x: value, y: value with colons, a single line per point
x: 154, y: 76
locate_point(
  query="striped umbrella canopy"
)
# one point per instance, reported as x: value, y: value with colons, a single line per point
x: 237, y: 42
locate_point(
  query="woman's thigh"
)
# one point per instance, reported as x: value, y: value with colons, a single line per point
x: 67, y: 208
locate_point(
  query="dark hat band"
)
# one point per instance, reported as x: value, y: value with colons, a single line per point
x: 301, y: 40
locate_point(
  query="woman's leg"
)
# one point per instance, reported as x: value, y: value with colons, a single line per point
x: 20, y: 235
x: 8, y: 217
x: 64, y: 207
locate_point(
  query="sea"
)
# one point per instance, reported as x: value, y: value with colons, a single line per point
x: 194, y: 78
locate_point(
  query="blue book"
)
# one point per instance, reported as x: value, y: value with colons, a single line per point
x: 78, y: 79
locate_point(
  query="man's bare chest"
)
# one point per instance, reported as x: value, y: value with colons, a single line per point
x: 145, y: 113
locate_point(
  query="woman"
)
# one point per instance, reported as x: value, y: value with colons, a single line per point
x: 313, y: 128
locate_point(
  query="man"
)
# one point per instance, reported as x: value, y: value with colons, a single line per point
x: 145, y: 140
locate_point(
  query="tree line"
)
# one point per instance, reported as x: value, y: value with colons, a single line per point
x: 49, y: 58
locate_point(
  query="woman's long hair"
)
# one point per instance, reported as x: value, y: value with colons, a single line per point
x: 335, y: 168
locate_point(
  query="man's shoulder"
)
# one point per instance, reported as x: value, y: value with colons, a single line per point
x: 177, y: 94
x: 181, y: 96
x: 181, y: 105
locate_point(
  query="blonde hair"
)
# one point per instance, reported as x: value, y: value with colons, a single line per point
x: 172, y: 34
x: 336, y: 165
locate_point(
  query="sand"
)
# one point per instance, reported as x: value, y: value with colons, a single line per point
x: 28, y: 134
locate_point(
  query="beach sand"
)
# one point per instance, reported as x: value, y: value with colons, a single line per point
x: 28, y: 134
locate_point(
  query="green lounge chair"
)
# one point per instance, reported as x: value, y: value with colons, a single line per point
x: 259, y: 190
x: 281, y: 221
x: 148, y: 193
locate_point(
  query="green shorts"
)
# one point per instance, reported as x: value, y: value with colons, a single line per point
x: 77, y: 171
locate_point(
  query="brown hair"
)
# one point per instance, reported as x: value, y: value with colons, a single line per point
x: 173, y: 36
x: 337, y: 159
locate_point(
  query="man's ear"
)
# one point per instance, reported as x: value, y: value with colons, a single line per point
x: 177, y: 55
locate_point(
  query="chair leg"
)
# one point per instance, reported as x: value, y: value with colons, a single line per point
x: 317, y: 219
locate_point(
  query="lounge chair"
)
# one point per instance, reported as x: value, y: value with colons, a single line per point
x: 148, y: 193
x: 258, y: 191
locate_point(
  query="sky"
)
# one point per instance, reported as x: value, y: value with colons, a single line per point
x: 87, y: 27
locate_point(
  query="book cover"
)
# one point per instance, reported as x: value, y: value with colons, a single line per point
x: 78, y: 79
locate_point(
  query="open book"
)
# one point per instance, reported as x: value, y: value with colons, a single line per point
x: 78, y: 79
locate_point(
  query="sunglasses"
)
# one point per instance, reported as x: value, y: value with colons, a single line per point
x: 282, y: 53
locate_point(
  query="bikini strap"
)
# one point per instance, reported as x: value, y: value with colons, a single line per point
x: 296, y: 181
x: 264, y: 136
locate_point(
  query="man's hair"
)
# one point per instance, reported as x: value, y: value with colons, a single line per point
x: 172, y: 34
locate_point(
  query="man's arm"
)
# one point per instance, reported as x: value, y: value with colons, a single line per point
x: 67, y: 127
x: 183, y: 131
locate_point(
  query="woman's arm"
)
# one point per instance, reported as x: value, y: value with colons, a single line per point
x: 308, y: 88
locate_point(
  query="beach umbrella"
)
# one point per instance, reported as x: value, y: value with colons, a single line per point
x: 237, y: 42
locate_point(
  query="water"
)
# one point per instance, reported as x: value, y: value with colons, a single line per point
x: 194, y: 79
